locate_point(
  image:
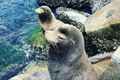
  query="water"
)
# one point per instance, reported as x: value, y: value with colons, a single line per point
x: 17, y: 20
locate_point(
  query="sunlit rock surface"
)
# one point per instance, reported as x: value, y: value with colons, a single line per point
x: 116, y: 56
x: 34, y: 71
x: 104, y: 17
x: 103, y: 29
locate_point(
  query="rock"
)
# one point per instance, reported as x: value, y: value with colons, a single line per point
x: 71, y: 16
x: 111, y: 73
x: 104, y: 17
x: 103, y: 28
x: 98, y: 4
x: 88, y: 6
x: 116, y: 56
x: 34, y: 71
x: 64, y: 3
x: 79, y: 17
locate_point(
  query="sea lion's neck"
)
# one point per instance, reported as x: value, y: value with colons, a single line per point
x: 51, y: 24
x: 68, y: 55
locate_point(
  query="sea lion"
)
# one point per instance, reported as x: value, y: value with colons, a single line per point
x: 67, y: 57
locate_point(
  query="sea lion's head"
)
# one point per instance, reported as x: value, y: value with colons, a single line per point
x: 65, y: 35
x: 45, y: 14
x: 64, y: 41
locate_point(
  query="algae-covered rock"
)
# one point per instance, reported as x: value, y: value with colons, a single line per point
x: 38, y: 44
x: 37, y: 38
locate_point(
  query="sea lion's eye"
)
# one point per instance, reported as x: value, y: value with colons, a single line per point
x: 63, y: 31
x: 43, y: 31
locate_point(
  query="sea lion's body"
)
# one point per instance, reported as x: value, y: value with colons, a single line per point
x: 67, y: 58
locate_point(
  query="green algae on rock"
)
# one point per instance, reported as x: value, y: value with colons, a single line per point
x: 37, y: 38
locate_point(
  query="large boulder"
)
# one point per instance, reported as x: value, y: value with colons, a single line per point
x: 103, y: 29
x: 72, y: 16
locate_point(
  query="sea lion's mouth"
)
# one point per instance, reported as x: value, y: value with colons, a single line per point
x: 65, y: 43
x: 55, y: 37
x: 59, y: 42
